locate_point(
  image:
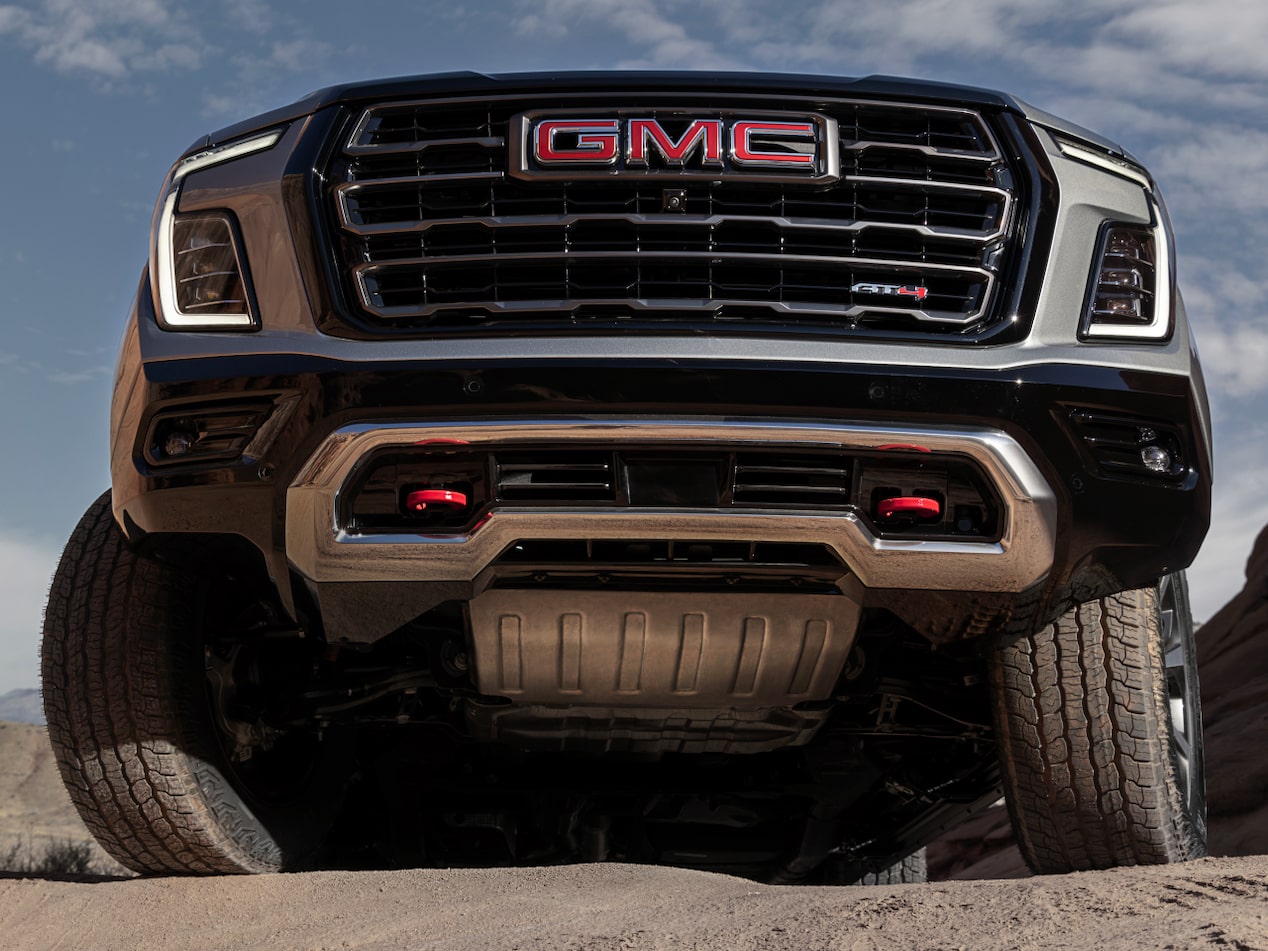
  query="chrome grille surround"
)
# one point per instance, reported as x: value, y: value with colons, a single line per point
x: 435, y: 235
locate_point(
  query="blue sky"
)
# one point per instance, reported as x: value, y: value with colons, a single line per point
x: 97, y: 97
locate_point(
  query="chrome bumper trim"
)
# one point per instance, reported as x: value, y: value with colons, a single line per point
x: 322, y: 551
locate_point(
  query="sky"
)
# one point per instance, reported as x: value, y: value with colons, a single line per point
x: 98, y: 97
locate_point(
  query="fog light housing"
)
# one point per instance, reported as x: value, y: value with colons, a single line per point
x: 179, y: 443
x: 193, y: 435
x: 1156, y: 459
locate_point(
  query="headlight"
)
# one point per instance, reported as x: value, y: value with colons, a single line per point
x: 202, y: 282
x: 1130, y: 293
x: 201, y: 272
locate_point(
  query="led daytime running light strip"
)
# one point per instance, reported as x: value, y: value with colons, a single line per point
x: 225, y: 153
x: 1105, y: 162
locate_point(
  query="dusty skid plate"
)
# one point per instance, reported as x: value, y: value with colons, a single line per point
x: 640, y: 649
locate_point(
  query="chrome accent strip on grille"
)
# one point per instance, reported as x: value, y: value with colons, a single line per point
x: 494, y: 222
x: 680, y: 101
x: 319, y: 547
x: 422, y: 145
x: 363, y: 271
x: 439, y: 178
x: 668, y: 305
x: 862, y: 146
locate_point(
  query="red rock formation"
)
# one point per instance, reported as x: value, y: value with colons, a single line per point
x: 1233, y: 664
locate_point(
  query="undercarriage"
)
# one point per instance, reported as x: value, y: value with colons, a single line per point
x: 820, y: 791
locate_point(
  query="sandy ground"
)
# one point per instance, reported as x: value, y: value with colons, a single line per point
x: 1216, y: 903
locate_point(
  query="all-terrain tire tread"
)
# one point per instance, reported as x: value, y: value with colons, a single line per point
x: 914, y: 869
x: 122, y: 714
x: 1081, y: 713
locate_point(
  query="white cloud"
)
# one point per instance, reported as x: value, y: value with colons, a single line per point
x: 1170, y: 51
x: 70, y: 377
x: 1225, y: 304
x: 26, y: 568
x: 182, y: 56
x: 107, y: 40
x: 17, y: 363
x: 656, y: 35
x: 254, y: 16
x: 1223, y: 38
x: 1216, y: 164
x: 534, y: 24
x: 298, y: 54
x: 216, y: 106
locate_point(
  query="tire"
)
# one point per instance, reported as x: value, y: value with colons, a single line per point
x: 914, y: 869
x: 1100, y: 734
x: 133, y: 722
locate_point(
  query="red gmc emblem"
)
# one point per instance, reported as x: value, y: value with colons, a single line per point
x: 778, y: 146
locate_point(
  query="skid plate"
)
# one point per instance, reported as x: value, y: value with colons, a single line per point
x: 660, y: 650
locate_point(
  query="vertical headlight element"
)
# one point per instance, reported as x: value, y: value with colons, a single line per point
x: 207, y: 268
x: 202, y: 283
x: 1128, y: 280
x: 1130, y: 296
x: 199, y: 266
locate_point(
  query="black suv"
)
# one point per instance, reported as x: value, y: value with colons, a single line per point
x: 743, y: 472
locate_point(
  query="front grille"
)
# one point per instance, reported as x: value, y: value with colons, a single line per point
x: 436, y: 237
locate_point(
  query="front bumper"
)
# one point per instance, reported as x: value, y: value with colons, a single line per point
x: 1074, y: 529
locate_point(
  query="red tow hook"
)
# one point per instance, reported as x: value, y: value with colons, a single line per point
x: 911, y: 505
x: 443, y: 499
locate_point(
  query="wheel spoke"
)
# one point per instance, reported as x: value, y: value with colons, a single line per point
x: 1170, y: 630
x: 1175, y: 662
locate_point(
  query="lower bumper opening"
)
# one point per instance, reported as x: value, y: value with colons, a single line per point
x: 986, y: 519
